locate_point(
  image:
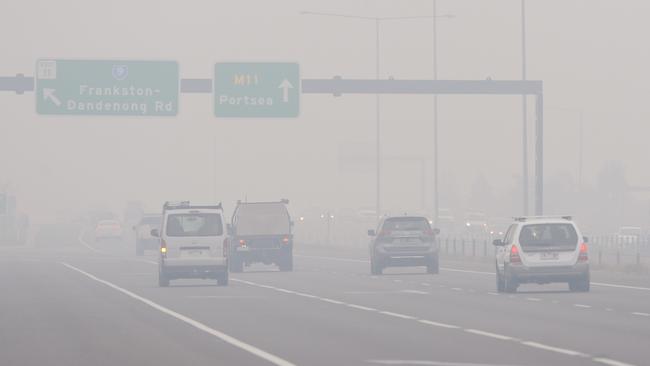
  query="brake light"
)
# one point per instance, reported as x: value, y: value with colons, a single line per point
x: 285, y: 240
x: 584, y: 255
x: 429, y: 232
x: 514, y: 255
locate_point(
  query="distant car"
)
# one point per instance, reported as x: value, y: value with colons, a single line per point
x: 193, y: 243
x: 143, y: 238
x: 402, y: 241
x: 542, y: 250
x: 261, y: 233
x: 108, y: 229
x: 476, y: 224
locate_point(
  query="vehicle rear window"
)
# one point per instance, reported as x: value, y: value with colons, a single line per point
x: 194, y: 224
x: 548, y: 236
x: 406, y: 224
x: 262, y: 219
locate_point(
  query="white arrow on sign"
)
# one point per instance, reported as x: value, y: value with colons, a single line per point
x: 49, y: 94
x: 285, y: 86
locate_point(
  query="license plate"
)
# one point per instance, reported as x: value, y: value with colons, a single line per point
x: 549, y: 256
x: 194, y: 253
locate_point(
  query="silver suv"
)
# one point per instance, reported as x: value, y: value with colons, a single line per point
x: 403, y: 241
x: 542, y: 250
x: 193, y: 243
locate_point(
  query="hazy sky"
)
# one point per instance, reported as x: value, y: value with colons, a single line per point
x: 591, y: 54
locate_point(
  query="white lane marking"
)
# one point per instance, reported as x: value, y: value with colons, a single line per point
x: 493, y: 293
x: 83, y: 242
x: 426, y: 363
x: 457, y: 289
x: 620, y: 286
x: 397, y: 315
x: 417, y: 292
x: 533, y: 299
x: 640, y: 314
x: 489, y: 334
x: 306, y: 295
x: 425, y: 284
x: 582, y: 306
x: 438, y: 324
x: 223, y: 297
x: 331, y: 301
x: 609, y: 309
x: 360, y: 307
x: 470, y: 271
x: 443, y: 325
x: 198, y: 325
x: 554, y: 349
x: 609, y: 362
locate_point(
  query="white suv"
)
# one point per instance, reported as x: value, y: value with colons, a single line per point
x: 542, y: 250
x: 193, y: 243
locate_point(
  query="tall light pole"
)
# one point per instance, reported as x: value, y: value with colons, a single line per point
x: 436, y: 197
x: 377, y: 21
x: 524, y: 111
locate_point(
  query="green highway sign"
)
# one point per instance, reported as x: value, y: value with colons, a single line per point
x: 103, y: 87
x: 256, y: 89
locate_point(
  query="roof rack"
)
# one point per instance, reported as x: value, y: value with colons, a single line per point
x: 526, y: 218
x: 186, y: 205
x: 283, y: 200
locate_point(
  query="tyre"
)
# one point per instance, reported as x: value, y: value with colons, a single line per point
x: 433, y: 267
x: 581, y: 284
x: 510, y: 282
x: 501, y: 283
x: 286, y: 263
x: 222, y: 280
x: 163, y: 280
x: 236, y: 265
x: 376, y: 268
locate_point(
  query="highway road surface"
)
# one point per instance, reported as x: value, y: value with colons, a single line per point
x: 87, y: 303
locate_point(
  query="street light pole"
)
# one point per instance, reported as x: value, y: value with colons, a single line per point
x: 436, y: 198
x: 524, y: 109
x: 378, y: 128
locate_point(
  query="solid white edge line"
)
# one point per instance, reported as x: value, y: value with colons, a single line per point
x: 582, y: 306
x: 640, y: 314
x: 198, y: 325
x: 397, y: 315
x: 609, y: 362
x: 331, y: 301
x: 554, y: 349
x: 437, y: 324
x: 360, y: 307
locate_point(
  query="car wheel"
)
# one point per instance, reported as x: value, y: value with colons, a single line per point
x: 163, y: 280
x: 376, y: 268
x: 434, y: 265
x: 236, y: 265
x: 286, y: 263
x: 510, y: 282
x: 582, y: 284
x: 222, y: 280
x: 501, y: 283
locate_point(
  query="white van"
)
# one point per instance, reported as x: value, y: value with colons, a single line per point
x: 193, y: 243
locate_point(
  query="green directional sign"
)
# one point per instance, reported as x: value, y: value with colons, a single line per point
x: 256, y: 89
x: 102, y: 87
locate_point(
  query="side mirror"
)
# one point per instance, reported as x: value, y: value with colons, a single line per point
x: 155, y: 233
x: 498, y: 243
x: 585, y: 239
x: 436, y: 231
x: 371, y: 233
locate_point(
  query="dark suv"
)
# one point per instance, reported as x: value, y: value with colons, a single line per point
x: 403, y: 241
x: 261, y: 233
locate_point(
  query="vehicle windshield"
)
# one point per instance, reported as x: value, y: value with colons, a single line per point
x: 545, y: 236
x: 262, y: 219
x: 194, y: 224
x: 406, y: 224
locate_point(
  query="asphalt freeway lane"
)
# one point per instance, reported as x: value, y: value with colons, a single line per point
x: 329, y: 311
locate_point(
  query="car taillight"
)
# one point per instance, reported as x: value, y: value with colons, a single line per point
x: 514, y: 255
x: 429, y: 232
x: 584, y: 255
x: 163, y: 247
x: 242, y: 242
x: 225, y: 248
x: 285, y: 240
